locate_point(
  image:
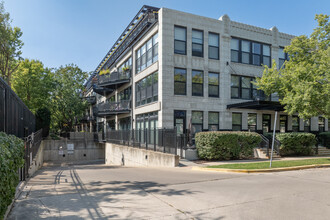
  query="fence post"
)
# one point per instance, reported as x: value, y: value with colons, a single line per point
x: 163, y: 139
x: 175, y: 142
x: 154, y: 138
x: 146, y: 137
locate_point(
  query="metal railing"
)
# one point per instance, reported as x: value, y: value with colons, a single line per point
x: 114, y: 77
x: 31, y: 147
x: 112, y: 107
x: 90, y: 99
x: 15, y: 117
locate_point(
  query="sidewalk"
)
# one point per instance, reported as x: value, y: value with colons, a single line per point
x: 200, y: 163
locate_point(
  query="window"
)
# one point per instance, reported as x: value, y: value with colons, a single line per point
x: 196, y: 122
x: 321, y: 124
x: 266, y: 123
x: 213, y: 84
x: 213, y: 121
x: 213, y: 46
x: 124, y: 69
x: 282, y: 57
x: 147, y: 121
x: 197, y: 83
x: 283, y: 123
x: 243, y: 88
x: 147, y: 90
x: 307, y: 125
x: 252, y: 122
x: 197, y: 43
x: 236, y: 121
x: 147, y: 54
x: 124, y: 95
x: 248, y: 52
x: 180, y: 40
x: 295, y: 123
x: 180, y: 81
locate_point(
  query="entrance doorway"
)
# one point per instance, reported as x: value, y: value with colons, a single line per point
x: 180, y: 121
x: 266, y: 123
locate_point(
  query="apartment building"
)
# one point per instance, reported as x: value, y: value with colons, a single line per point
x: 171, y: 68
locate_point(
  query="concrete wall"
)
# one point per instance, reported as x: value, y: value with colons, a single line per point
x: 128, y: 156
x: 84, y: 150
x: 38, y: 160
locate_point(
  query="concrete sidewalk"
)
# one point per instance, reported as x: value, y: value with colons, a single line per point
x: 187, y: 163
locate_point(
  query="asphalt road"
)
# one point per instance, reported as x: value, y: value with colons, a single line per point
x: 109, y: 192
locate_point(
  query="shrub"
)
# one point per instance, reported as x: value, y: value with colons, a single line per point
x: 217, y: 145
x: 324, y: 138
x: 11, y: 158
x: 296, y: 144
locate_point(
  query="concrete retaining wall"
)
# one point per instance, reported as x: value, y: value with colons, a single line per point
x: 38, y: 160
x: 128, y: 156
x: 83, y: 150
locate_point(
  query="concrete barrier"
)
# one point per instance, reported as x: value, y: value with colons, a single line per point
x: 116, y: 154
x: 38, y: 160
x: 72, y: 150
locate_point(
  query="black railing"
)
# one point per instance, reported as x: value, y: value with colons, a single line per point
x: 157, y: 139
x: 114, y: 77
x: 114, y: 107
x: 90, y: 99
x: 15, y: 117
x: 31, y: 145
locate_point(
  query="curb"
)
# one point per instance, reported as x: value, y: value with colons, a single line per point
x: 260, y: 170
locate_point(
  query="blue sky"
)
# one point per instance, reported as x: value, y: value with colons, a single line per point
x: 59, y: 32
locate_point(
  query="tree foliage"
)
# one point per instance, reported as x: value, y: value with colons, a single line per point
x: 66, y: 100
x: 33, y: 83
x: 10, y: 45
x: 303, y: 81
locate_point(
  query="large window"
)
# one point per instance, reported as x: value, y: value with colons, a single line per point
x: 243, y: 88
x: 321, y: 124
x: 147, y: 90
x: 213, y: 46
x: 197, y: 43
x: 147, y: 54
x: 196, y: 121
x: 197, y: 83
x: 147, y: 121
x: 252, y: 122
x: 124, y: 68
x: 180, y: 121
x: 124, y: 94
x: 282, y: 57
x: 213, y: 84
x: 295, y: 123
x: 180, y: 81
x: 180, y: 40
x: 236, y: 121
x: 307, y: 125
x: 213, y: 121
x: 248, y: 52
x: 283, y: 123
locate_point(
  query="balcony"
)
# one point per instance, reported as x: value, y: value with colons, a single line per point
x: 90, y: 99
x: 102, y: 90
x: 114, y: 108
x: 87, y: 118
x: 114, y: 79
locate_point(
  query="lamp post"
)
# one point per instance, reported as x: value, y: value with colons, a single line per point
x: 271, y: 154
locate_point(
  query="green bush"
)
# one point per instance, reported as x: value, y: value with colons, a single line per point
x: 296, y: 144
x: 11, y: 158
x: 217, y: 145
x: 324, y: 138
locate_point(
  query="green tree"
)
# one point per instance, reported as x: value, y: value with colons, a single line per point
x: 304, y: 82
x: 10, y: 45
x: 33, y: 83
x: 66, y: 99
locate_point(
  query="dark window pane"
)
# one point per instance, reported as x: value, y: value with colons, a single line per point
x: 197, y: 50
x: 234, y: 56
x: 256, y: 48
x: 256, y: 59
x: 197, y: 89
x: 246, y: 94
x: 213, y: 91
x: 266, y: 61
x: 245, y: 58
x: 180, y: 47
x: 214, y: 52
x: 234, y: 92
x: 179, y: 88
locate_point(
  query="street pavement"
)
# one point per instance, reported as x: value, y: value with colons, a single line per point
x: 112, y: 192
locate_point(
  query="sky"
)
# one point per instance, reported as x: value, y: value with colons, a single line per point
x: 60, y: 32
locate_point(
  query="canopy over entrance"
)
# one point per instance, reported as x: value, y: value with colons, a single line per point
x: 258, y: 105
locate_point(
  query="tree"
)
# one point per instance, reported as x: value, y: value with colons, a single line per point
x: 66, y: 100
x: 43, y: 116
x: 10, y: 45
x: 33, y: 83
x: 303, y: 81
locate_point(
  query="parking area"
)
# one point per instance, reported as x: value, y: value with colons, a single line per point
x: 111, y: 192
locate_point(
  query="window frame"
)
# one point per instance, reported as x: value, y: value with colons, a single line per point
x: 213, y: 124
x: 295, y: 126
x: 185, y: 42
x: 185, y: 82
x: 218, y: 86
x: 140, y: 57
x: 321, y: 124
x: 195, y: 83
x: 192, y: 43
x: 252, y: 89
x: 139, y: 89
x: 218, y: 35
x: 256, y: 124
x: 232, y: 121
x: 201, y: 124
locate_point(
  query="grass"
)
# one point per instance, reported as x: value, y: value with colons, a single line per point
x: 275, y: 164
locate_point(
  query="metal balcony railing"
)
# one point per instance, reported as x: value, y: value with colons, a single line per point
x: 109, y: 108
x: 91, y: 99
x: 114, y: 78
